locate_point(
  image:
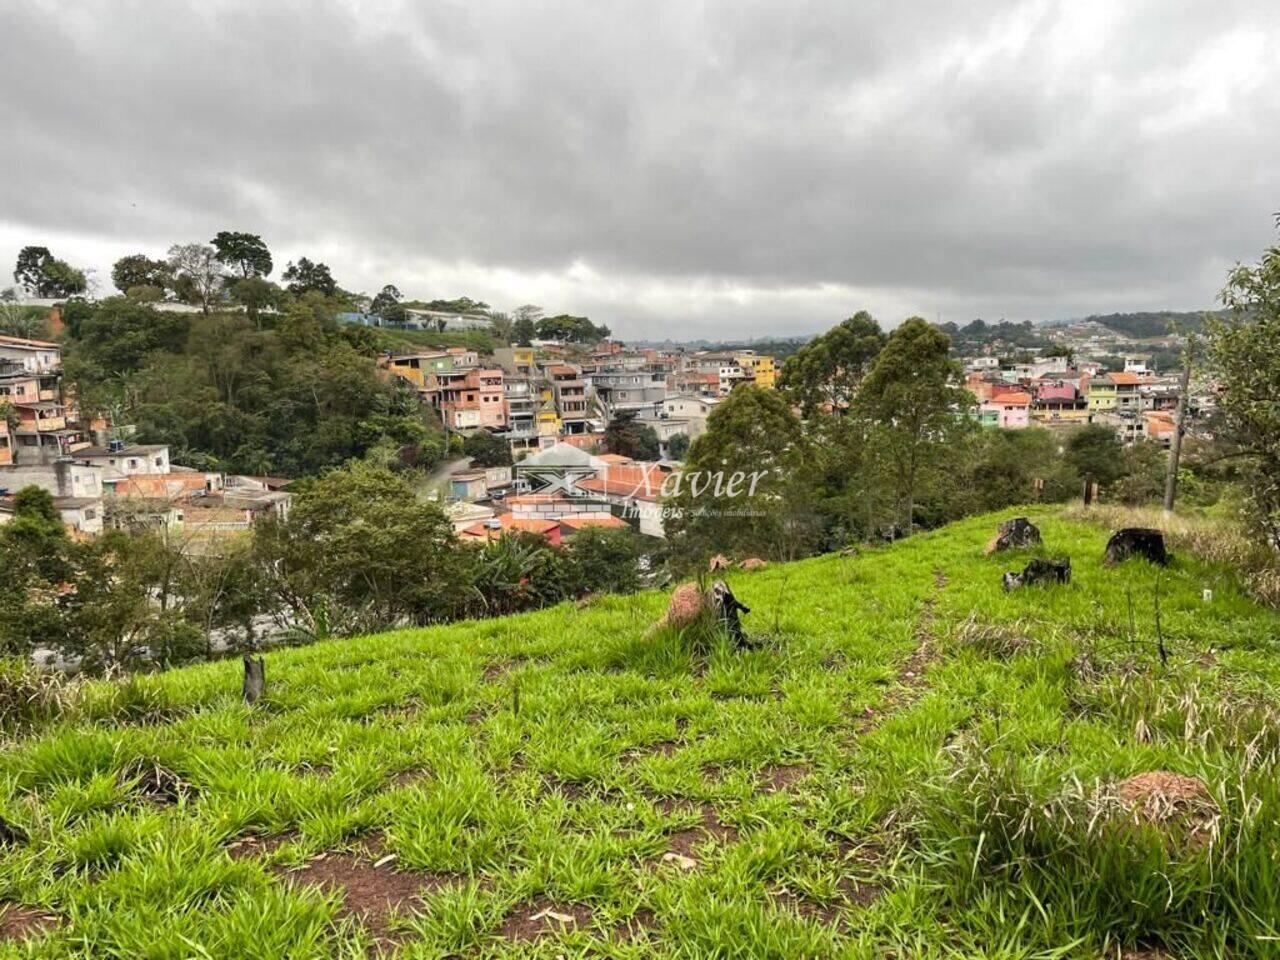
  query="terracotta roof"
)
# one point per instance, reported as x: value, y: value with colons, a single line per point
x: 163, y: 485
x: 643, y: 481
x: 613, y: 458
x: 24, y: 342
x: 1125, y: 379
x: 1012, y: 399
x: 509, y: 521
x: 578, y: 521
x: 534, y: 499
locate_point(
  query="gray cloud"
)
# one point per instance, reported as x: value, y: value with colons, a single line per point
x: 670, y: 168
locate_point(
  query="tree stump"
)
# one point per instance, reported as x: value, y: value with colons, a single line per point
x: 727, y: 607
x: 1136, y: 542
x: 1038, y: 572
x: 255, y: 679
x: 1014, y: 534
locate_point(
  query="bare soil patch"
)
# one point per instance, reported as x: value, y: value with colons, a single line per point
x: 681, y: 844
x: 778, y: 777
x: 495, y: 670
x: 543, y: 918
x: 20, y: 922
x: 371, y: 887
x: 256, y: 845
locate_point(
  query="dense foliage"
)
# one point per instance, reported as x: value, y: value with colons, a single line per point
x: 1244, y: 352
x: 289, y: 393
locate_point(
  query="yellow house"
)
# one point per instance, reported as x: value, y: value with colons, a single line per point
x: 547, y: 421
x: 1102, y: 394
x: 759, y: 368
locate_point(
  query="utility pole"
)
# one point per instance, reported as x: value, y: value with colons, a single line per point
x: 1179, y: 427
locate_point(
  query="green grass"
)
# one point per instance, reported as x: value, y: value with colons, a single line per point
x: 552, y: 759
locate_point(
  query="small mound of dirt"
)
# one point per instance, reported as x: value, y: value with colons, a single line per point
x: 685, y: 607
x: 154, y: 782
x: 19, y: 922
x: 1164, y: 799
x: 542, y: 918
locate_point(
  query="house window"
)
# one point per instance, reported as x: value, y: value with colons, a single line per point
x: 132, y: 463
x: 159, y: 461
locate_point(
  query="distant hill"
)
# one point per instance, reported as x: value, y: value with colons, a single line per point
x: 1140, y: 326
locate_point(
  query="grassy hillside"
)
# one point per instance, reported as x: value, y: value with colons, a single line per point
x: 913, y: 764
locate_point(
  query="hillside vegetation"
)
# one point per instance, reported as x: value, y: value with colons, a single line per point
x: 912, y: 763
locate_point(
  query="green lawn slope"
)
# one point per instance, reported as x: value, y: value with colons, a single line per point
x: 912, y: 764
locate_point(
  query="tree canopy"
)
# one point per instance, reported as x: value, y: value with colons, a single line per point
x: 244, y: 254
x: 825, y: 373
x: 44, y: 275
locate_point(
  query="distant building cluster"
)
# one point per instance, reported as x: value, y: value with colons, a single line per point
x: 1136, y: 402
x: 550, y: 397
x: 98, y: 477
x: 541, y: 395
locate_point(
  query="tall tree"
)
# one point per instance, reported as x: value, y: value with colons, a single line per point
x: 912, y: 398
x: 487, y: 450
x: 245, y: 254
x: 825, y: 373
x: 198, y: 272
x: 1244, y: 354
x: 746, y: 488
x: 1096, y: 453
x: 523, y: 331
x: 387, y: 305
x: 45, y: 276
x: 139, y: 270
x: 360, y: 537
x: 627, y: 437
x: 305, y: 275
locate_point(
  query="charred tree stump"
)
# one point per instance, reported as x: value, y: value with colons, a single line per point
x: 1136, y: 542
x: 255, y: 679
x: 1038, y: 571
x: 1014, y: 535
x: 727, y: 607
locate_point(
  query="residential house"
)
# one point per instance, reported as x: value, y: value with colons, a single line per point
x: 470, y: 398
x: 468, y: 485
x: 1012, y: 410
x: 760, y: 369
x: 463, y: 514
x: 1058, y: 402
x: 120, y: 459
x: 570, y: 393
x: 76, y: 490
x: 1159, y: 426
x: 633, y: 390
x: 33, y: 356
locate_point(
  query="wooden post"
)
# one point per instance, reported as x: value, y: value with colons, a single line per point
x: 1087, y: 493
x: 255, y: 679
x: 1179, y: 427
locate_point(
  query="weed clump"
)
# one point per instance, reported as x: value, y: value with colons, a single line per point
x: 30, y: 697
x: 154, y: 782
x: 1155, y: 858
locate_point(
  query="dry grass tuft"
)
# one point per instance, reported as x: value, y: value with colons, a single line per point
x: 1212, y: 539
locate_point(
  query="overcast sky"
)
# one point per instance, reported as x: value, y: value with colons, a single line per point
x: 684, y: 168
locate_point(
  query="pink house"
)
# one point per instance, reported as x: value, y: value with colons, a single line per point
x: 1011, y: 410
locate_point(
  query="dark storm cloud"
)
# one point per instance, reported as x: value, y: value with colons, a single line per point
x: 683, y: 168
